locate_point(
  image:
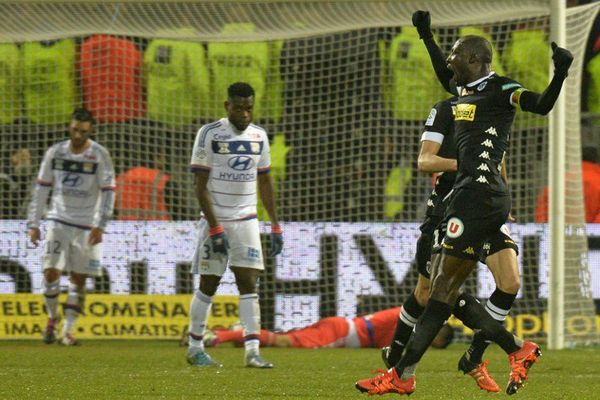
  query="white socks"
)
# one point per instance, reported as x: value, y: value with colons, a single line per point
x: 199, y: 309
x: 51, y: 292
x: 250, y: 319
x: 72, y: 308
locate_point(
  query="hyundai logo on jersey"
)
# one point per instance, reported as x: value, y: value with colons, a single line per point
x: 241, y: 163
x: 71, y: 180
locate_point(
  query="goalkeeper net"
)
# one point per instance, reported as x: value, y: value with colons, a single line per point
x: 343, y: 88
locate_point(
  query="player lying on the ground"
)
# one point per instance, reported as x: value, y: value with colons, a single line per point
x: 373, y: 330
x: 480, y: 203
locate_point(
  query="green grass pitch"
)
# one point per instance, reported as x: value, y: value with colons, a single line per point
x: 157, y: 370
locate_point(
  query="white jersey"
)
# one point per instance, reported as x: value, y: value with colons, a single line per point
x: 82, y: 186
x: 233, y: 160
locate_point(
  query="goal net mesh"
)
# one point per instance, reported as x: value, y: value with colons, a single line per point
x: 342, y: 87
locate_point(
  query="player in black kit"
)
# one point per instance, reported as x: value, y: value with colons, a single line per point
x: 480, y: 203
x: 438, y: 155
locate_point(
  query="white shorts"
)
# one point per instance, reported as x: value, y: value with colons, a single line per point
x: 245, y: 249
x: 67, y: 249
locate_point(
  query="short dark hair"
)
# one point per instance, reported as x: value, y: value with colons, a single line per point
x: 240, y: 89
x: 479, y: 46
x: 590, y: 154
x: 83, y: 114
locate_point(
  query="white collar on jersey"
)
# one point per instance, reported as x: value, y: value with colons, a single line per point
x: 478, y: 81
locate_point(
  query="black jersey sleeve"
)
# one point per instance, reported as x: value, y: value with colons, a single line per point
x: 440, y: 121
x: 509, y: 92
x: 542, y: 103
x: 440, y: 66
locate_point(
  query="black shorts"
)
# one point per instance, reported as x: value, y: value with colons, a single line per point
x: 427, y: 239
x: 499, y: 241
x: 473, y: 217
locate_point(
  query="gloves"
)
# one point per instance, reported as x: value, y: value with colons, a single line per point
x: 220, y: 244
x: 562, y: 59
x: 276, y: 241
x: 422, y: 21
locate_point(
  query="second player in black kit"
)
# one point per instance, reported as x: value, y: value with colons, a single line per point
x: 480, y: 204
x: 439, y: 123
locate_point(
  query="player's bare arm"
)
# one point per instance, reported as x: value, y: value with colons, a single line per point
x: 35, y: 236
x: 204, y: 199
x: 504, y: 175
x: 429, y: 161
x: 267, y: 195
x: 95, y: 236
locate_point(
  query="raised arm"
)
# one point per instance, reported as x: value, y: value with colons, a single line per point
x: 422, y: 21
x: 543, y: 103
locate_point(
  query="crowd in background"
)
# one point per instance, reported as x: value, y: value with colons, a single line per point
x: 345, y: 112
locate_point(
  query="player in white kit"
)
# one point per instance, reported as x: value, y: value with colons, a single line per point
x: 230, y: 156
x: 80, y: 174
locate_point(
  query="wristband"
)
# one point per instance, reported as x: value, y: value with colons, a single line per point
x: 276, y: 229
x: 216, y: 230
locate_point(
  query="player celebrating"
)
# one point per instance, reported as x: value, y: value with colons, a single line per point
x: 373, y: 330
x: 438, y: 153
x: 480, y: 203
x: 229, y: 156
x: 80, y: 174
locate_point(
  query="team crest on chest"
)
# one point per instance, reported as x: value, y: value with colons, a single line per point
x: 255, y: 147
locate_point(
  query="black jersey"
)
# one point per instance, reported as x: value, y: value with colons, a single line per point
x: 439, y: 128
x: 482, y: 121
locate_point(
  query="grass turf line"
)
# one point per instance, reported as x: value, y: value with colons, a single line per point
x: 157, y: 369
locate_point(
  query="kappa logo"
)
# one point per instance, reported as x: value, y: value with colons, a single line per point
x: 483, y: 167
x: 469, y: 250
x: 492, y: 131
x: 487, y: 143
x: 455, y: 228
x: 465, y: 112
x: 485, y: 155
